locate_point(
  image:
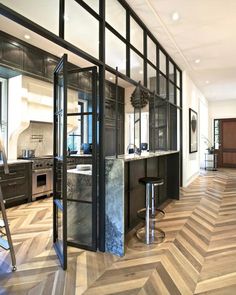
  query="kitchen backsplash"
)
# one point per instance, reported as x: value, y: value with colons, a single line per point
x: 39, y: 137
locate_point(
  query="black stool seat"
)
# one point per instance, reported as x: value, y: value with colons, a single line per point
x: 152, y: 180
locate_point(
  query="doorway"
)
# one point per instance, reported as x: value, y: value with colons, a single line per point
x: 74, y: 190
x: 225, y: 142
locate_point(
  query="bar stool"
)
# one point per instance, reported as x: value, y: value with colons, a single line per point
x: 150, y: 234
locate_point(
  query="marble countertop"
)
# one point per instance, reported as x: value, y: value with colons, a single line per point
x: 10, y: 162
x: 80, y: 156
x: 144, y: 155
x: 75, y: 171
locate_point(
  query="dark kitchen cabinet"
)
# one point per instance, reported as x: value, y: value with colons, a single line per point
x: 34, y: 62
x: 17, y: 185
x: 11, y: 53
x: 110, y: 119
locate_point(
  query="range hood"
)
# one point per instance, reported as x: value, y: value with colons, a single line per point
x: 29, y: 100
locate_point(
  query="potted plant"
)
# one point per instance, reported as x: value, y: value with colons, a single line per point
x: 210, y: 147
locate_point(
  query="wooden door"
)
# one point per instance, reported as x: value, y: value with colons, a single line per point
x: 227, y: 148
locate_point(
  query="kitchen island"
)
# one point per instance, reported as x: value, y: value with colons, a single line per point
x: 125, y: 195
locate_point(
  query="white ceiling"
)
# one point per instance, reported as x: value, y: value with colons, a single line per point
x: 206, y: 30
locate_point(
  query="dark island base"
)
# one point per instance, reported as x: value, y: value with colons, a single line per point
x: 166, y: 167
x: 125, y: 195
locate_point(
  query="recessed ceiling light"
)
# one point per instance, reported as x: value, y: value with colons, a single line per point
x: 27, y: 36
x: 141, y: 72
x: 111, y: 78
x: 175, y: 16
x: 207, y: 82
x: 197, y: 61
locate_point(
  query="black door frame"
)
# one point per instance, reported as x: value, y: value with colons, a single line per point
x: 57, y: 205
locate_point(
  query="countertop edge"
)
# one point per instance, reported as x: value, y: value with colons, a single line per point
x: 134, y: 157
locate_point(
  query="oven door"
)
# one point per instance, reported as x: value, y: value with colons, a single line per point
x: 41, y: 182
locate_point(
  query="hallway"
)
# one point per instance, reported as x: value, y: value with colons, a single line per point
x: 197, y: 257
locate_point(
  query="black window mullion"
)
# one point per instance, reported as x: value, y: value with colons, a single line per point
x: 128, y: 43
x: 62, y: 18
x: 89, y: 9
x: 145, y: 58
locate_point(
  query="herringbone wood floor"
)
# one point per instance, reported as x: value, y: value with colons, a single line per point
x: 197, y: 257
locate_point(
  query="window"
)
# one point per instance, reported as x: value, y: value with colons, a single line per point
x: 136, y: 35
x: 115, y: 52
x: 216, y: 134
x: 116, y: 16
x: 37, y: 11
x: 136, y: 67
x: 77, y: 30
x: 151, y: 51
x: 162, y: 62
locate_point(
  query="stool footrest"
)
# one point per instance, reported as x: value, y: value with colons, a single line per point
x: 159, y: 214
x: 156, y: 235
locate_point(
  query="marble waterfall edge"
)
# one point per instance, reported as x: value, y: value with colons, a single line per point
x: 114, y: 233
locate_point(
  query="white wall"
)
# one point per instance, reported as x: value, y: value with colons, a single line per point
x: 194, y: 99
x: 222, y: 109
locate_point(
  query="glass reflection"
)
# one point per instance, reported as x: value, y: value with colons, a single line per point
x: 162, y: 62
x: 116, y: 16
x: 152, y: 78
x: 151, y: 51
x: 115, y: 52
x: 136, y: 35
x: 77, y: 30
x: 136, y: 67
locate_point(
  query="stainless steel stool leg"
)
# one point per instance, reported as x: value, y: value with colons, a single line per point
x: 147, y: 212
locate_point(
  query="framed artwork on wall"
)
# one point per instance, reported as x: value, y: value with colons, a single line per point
x: 193, y: 131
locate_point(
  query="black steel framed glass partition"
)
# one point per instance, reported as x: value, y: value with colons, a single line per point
x: 74, y: 190
x: 138, y: 59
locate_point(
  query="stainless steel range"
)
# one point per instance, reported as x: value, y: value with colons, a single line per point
x: 42, y: 177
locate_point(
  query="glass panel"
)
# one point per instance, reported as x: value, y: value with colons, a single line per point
x: 177, y: 97
x: 136, y: 35
x: 151, y: 51
x: 162, y: 62
x: 3, y: 111
x: 136, y: 67
x: 162, y: 86
x: 79, y: 229
x: 94, y: 4
x: 116, y: 16
x: 158, y: 124
x: 60, y: 228
x: 171, y: 92
x: 77, y: 30
x: 178, y: 78
x: 137, y: 122
x: 178, y: 129
x: 173, y: 127
x: 79, y: 134
x: 152, y: 77
x: 34, y: 10
x: 171, y: 72
x: 115, y: 52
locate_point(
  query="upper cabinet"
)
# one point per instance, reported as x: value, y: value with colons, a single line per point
x: 35, y: 62
x: 11, y: 53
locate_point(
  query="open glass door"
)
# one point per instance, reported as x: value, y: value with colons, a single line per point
x: 82, y: 153
x: 60, y: 162
x: 75, y: 158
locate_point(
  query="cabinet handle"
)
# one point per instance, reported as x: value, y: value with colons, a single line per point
x: 12, y: 173
x: 11, y: 184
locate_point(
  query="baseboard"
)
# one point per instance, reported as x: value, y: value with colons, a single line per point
x: 191, y: 179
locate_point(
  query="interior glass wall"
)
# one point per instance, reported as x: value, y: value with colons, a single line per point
x: 43, y: 12
x: 77, y: 30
